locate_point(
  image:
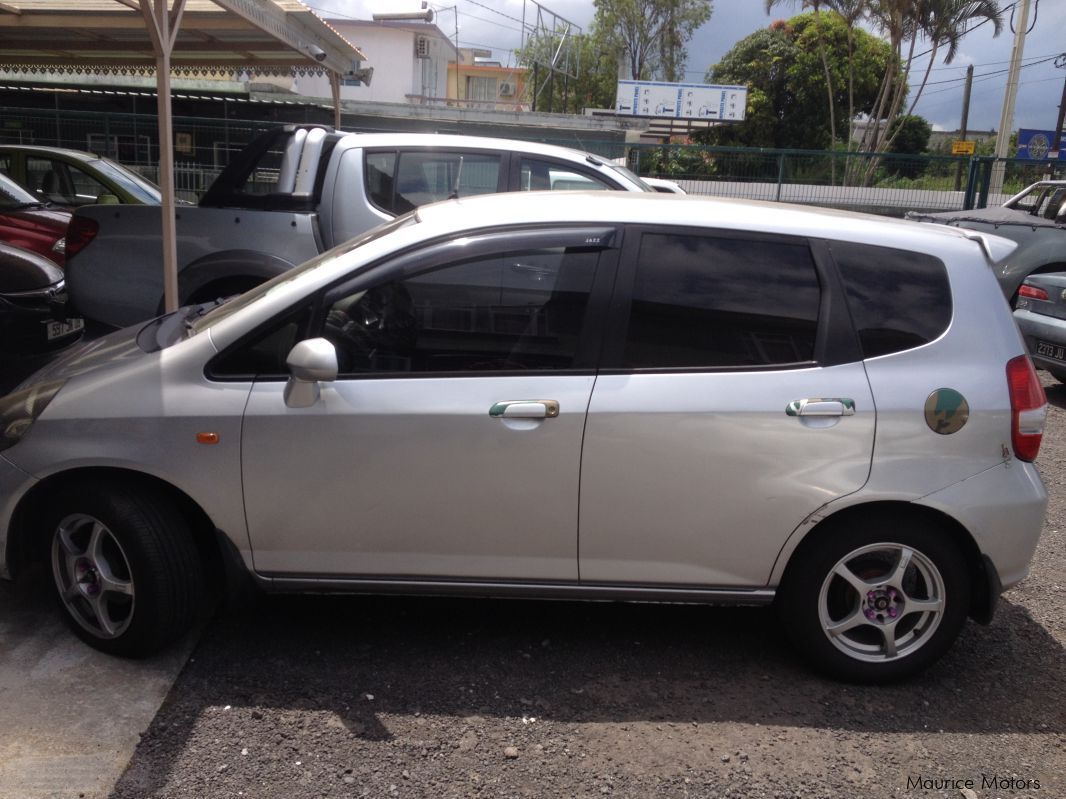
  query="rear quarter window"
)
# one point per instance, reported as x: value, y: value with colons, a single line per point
x: 898, y: 299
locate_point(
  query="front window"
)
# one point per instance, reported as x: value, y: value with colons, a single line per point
x: 517, y: 311
x: 400, y: 182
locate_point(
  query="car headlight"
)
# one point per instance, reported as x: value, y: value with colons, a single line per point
x: 19, y: 409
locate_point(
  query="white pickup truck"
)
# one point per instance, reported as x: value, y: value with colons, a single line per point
x: 292, y: 194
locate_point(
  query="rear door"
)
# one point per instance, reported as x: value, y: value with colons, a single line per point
x: 733, y: 403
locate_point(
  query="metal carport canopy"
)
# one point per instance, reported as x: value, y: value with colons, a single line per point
x: 187, y: 36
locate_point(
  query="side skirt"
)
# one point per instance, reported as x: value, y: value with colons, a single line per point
x: 604, y: 592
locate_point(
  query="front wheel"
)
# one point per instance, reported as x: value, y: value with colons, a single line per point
x: 876, y: 602
x: 125, y: 567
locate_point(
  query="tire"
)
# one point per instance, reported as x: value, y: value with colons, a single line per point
x: 857, y: 616
x: 128, y: 577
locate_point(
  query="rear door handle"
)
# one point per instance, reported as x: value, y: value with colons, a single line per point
x: 837, y: 406
x: 525, y: 409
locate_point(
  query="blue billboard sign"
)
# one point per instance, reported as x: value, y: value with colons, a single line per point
x: 1036, y: 144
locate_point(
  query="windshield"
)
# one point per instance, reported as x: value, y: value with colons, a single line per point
x: 12, y: 195
x: 212, y: 315
x: 141, y: 188
x: 633, y: 176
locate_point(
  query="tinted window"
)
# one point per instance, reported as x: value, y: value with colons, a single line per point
x: 516, y: 311
x: 265, y: 353
x: 898, y: 299
x: 702, y: 301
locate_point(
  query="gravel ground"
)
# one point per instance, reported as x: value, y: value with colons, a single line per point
x: 378, y: 697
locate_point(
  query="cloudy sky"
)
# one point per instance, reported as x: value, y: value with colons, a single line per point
x: 496, y: 24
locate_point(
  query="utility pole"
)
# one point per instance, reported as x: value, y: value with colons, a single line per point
x: 965, y: 121
x: 1006, y: 119
x: 1060, y: 62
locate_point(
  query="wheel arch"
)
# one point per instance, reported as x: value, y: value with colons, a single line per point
x: 247, y: 267
x: 984, y: 582
x: 217, y: 553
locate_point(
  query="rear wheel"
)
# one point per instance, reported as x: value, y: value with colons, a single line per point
x: 876, y: 601
x: 126, y: 570
x: 1058, y: 374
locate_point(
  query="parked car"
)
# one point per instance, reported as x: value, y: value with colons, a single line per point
x: 1040, y: 311
x: 295, y: 192
x: 664, y: 186
x: 1034, y: 219
x: 72, y: 178
x: 31, y: 224
x: 33, y: 312
x: 414, y: 411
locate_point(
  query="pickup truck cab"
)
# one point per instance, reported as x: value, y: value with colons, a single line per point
x: 296, y: 192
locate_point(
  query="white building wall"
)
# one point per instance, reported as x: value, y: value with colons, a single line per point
x: 399, y: 77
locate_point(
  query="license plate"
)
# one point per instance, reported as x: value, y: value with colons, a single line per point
x: 1056, y: 352
x: 63, y: 327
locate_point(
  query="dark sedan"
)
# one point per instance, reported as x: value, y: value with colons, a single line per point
x: 33, y: 304
x: 31, y: 224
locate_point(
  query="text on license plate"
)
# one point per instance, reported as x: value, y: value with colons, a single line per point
x: 63, y: 327
x: 1057, y: 352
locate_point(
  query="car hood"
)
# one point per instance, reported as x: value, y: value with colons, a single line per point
x: 996, y: 216
x: 22, y: 270
x: 110, y: 351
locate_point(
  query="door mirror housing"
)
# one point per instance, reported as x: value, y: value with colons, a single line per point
x: 311, y: 362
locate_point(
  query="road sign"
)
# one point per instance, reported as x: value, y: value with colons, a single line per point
x: 681, y: 100
x: 959, y: 147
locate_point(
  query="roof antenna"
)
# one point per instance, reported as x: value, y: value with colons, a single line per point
x: 458, y: 176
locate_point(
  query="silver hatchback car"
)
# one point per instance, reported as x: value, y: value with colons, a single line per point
x: 628, y: 397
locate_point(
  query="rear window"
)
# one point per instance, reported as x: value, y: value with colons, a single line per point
x: 898, y: 299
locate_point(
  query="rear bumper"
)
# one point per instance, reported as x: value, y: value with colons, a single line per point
x: 1003, y: 509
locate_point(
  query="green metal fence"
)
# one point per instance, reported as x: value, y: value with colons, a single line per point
x: 886, y: 184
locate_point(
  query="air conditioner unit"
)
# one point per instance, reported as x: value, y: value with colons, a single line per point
x: 506, y: 89
x: 421, y: 47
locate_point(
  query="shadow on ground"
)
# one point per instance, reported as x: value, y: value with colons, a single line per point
x: 576, y: 663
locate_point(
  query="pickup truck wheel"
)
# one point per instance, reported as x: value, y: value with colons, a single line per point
x: 876, y: 600
x: 1058, y: 374
x: 126, y: 570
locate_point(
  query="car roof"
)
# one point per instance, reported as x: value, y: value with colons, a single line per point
x: 480, y: 142
x: 600, y: 207
x: 76, y: 155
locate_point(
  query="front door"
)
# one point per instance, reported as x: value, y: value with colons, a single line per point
x: 449, y: 447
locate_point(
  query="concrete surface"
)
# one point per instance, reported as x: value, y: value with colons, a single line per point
x: 71, y: 716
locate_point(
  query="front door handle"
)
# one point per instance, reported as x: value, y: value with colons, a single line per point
x: 525, y: 409
x: 837, y: 406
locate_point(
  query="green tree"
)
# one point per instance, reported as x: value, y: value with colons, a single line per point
x: 650, y: 34
x: 596, y: 73
x: 910, y: 136
x: 782, y: 68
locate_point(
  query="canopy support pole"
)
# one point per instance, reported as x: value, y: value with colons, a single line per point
x: 335, y: 87
x: 163, y: 29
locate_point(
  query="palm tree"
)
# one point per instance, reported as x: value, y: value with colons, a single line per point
x: 816, y: 6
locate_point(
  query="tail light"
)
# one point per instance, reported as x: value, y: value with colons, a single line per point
x: 80, y: 232
x: 1033, y: 292
x: 1028, y: 407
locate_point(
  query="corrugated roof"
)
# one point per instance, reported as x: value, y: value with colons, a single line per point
x: 265, y: 36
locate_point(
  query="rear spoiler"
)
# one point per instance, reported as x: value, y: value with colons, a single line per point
x: 996, y: 248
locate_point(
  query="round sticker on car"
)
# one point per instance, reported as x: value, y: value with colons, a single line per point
x: 946, y: 411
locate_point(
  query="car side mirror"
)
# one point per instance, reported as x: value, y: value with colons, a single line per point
x: 310, y: 362
x: 107, y: 199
